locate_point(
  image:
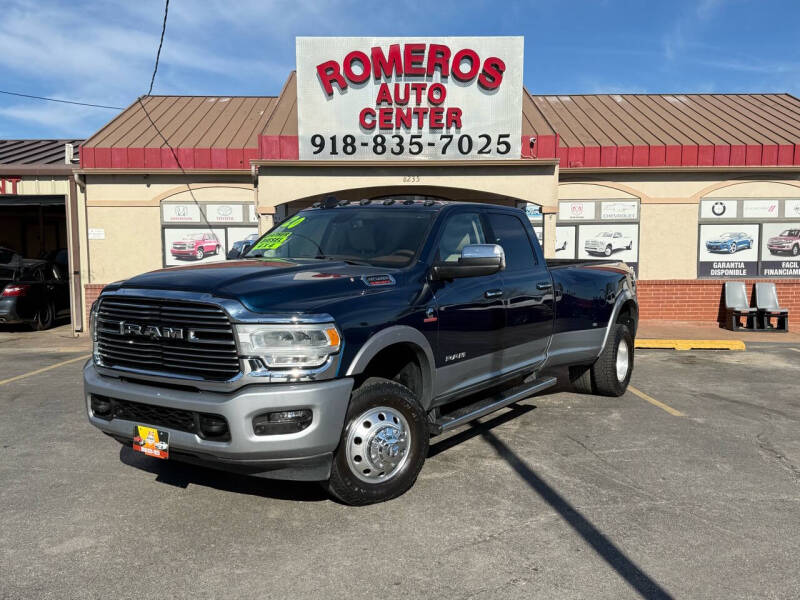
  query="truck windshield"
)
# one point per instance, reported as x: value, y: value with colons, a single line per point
x: 375, y: 236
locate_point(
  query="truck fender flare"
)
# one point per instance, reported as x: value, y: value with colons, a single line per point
x: 622, y: 298
x: 398, y: 334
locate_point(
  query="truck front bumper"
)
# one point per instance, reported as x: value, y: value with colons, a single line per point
x: 304, y: 455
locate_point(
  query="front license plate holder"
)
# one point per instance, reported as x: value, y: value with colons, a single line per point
x: 151, y: 441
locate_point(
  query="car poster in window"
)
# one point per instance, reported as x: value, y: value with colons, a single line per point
x: 224, y: 213
x: 619, y: 210
x: 791, y: 209
x: 565, y: 242
x: 180, y: 213
x: 728, y: 250
x: 251, y: 214
x: 780, y: 250
x: 612, y: 241
x: 718, y: 209
x: 241, y: 237
x: 533, y: 212
x: 186, y: 246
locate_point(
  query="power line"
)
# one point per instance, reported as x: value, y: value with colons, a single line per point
x: 160, y: 43
x: 61, y: 101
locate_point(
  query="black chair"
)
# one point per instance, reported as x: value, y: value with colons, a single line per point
x: 768, y: 307
x: 737, y: 306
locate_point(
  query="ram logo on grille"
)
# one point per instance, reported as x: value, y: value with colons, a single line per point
x: 151, y: 331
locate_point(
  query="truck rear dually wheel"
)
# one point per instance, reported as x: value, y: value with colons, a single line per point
x: 611, y: 372
x: 383, y: 444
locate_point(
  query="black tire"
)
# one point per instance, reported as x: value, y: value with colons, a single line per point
x: 608, y: 251
x: 375, y: 392
x: 601, y: 377
x: 581, y: 378
x: 45, y: 317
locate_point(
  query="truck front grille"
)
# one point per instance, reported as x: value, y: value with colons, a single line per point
x: 169, y: 337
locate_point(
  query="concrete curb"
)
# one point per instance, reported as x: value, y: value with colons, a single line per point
x: 690, y: 344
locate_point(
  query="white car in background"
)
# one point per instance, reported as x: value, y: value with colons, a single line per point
x: 607, y: 242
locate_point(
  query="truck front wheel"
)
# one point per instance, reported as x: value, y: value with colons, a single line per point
x: 383, y: 445
x: 611, y: 372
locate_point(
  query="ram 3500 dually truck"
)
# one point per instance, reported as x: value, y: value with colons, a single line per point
x: 347, y: 336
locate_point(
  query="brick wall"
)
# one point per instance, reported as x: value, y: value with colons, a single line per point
x: 702, y: 299
x: 92, y: 291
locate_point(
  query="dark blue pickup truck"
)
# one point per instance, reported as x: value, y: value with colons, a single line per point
x: 347, y: 336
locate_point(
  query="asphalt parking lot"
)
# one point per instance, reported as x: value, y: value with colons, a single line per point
x: 688, y: 489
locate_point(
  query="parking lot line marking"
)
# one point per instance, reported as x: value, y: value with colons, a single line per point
x: 795, y: 349
x: 689, y: 344
x: 654, y: 402
x: 43, y: 369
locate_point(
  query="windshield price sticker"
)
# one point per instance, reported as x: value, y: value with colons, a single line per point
x: 273, y: 241
x: 411, y: 98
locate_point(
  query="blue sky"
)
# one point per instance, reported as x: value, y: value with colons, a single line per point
x: 103, y: 52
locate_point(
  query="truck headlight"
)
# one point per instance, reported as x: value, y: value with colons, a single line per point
x: 289, y: 346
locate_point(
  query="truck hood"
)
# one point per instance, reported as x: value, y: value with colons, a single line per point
x: 267, y: 285
x: 783, y: 238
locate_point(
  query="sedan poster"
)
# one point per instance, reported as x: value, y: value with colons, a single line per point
x: 780, y: 250
x: 728, y: 250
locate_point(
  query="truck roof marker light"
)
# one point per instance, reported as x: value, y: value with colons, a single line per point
x: 388, y: 202
x: 365, y: 201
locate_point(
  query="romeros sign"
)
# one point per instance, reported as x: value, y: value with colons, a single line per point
x: 409, y: 98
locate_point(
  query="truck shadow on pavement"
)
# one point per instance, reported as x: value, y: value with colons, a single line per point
x: 183, y: 474
x: 640, y: 581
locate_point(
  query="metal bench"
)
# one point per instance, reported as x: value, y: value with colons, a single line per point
x: 768, y: 307
x: 737, y: 306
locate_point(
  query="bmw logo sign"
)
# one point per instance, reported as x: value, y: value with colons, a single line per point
x: 719, y: 209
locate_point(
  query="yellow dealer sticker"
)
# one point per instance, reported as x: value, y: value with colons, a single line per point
x: 294, y: 222
x: 273, y: 241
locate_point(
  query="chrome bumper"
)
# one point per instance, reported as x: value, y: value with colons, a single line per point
x: 279, y: 456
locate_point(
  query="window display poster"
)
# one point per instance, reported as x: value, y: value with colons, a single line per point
x: 251, y: 213
x: 728, y: 250
x: 539, y: 231
x: 610, y: 242
x: 224, y: 213
x: 238, y: 236
x: 184, y: 246
x: 534, y: 212
x: 780, y: 250
x: 565, y: 242
x: 576, y: 211
x: 761, y: 209
x: 718, y: 209
x: 619, y: 210
x: 791, y: 209
x: 180, y: 213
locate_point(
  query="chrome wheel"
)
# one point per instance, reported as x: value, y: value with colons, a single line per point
x: 608, y: 251
x: 199, y: 254
x: 623, y: 360
x: 378, y: 444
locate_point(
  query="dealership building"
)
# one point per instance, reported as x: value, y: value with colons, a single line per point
x: 687, y: 188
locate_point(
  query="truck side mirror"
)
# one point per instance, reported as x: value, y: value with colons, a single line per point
x: 475, y: 260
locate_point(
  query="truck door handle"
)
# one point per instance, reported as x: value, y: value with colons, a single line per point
x: 544, y: 286
x: 493, y: 293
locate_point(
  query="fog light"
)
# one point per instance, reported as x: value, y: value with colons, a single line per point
x: 285, y: 421
x: 213, y: 427
x: 102, y: 407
